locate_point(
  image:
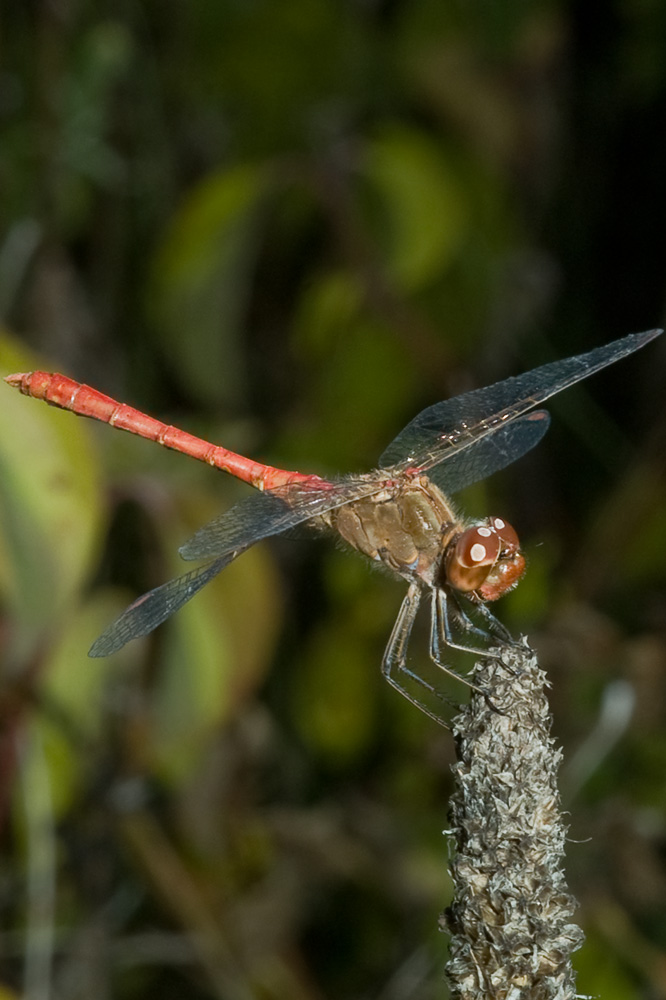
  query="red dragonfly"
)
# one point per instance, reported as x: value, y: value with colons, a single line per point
x: 399, y: 515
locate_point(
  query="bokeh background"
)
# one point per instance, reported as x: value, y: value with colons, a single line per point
x: 288, y: 227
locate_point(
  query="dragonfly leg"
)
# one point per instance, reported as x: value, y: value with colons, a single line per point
x: 495, y: 626
x: 442, y: 630
x: 394, y: 661
x: 464, y: 620
x: 440, y: 634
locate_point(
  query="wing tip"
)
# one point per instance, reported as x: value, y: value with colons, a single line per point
x: 645, y: 337
x: 102, y: 647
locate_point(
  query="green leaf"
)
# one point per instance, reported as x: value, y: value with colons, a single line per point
x: 201, y: 280
x: 358, y: 380
x: 217, y: 649
x: 423, y: 215
x: 68, y: 726
x: 329, y: 305
x: 50, y: 506
x: 335, y: 700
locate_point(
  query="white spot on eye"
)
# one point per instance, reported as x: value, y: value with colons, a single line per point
x: 499, y: 523
x: 477, y: 552
x: 484, y: 532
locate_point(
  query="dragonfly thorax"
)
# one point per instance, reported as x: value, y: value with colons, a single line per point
x: 412, y: 528
x: 407, y: 527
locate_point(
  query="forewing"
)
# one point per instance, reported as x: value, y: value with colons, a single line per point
x: 264, y: 514
x: 456, y: 424
x: 153, y: 608
x: 492, y: 453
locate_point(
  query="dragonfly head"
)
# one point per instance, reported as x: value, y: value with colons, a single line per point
x: 485, y: 559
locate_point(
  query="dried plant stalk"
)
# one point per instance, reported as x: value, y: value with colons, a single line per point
x: 511, y: 919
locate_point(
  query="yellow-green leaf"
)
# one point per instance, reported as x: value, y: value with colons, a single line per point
x: 422, y: 207
x: 216, y: 649
x: 50, y: 506
x: 201, y: 278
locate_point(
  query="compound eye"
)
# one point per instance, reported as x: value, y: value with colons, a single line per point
x: 504, y: 530
x: 470, y: 559
x: 478, y: 547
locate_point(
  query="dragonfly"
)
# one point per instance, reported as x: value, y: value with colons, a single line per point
x: 400, y: 516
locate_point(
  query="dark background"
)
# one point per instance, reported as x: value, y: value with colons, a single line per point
x: 288, y: 227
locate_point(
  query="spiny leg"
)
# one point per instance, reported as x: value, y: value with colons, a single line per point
x: 464, y: 620
x: 443, y: 632
x: 496, y: 630
x: 440, y: 633
x: 499, y: 630
x: 395, y: 656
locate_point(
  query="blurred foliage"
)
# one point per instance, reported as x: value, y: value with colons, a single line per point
x: 288, y: 227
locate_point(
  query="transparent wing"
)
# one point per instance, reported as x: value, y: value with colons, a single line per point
x: 492, y: 453
x: 454, y: 425
x: 153, y: 608
x: 264, y: 514
x: 254, y: 518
